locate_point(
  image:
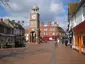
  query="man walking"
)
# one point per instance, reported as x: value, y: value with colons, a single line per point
x: 66, y: 42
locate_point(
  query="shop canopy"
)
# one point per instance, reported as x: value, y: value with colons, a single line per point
x: 80, y: 28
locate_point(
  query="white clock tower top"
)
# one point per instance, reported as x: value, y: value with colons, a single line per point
x: 35, y: 9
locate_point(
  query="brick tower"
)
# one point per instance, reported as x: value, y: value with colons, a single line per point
x: 34, y: 25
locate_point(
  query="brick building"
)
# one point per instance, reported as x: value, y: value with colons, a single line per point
x: 50, y: 31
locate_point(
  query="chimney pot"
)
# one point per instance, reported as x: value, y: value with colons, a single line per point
x: 49, y: 23
x: 1, y: 20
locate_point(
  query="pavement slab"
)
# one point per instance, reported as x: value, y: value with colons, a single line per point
x: 66, y: 55
x: 44, y: 53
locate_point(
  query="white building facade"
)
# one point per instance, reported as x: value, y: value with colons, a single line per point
x: 76, y: 25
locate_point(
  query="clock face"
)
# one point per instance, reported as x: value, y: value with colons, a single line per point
x: 33, y: 16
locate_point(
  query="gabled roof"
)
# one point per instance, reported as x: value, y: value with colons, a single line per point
x: 17, y: 25
x: 7, y: 22
x: 60, y: 29
x: 3, y: 24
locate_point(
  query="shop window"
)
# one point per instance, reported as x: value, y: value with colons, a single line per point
x: 84, y: 40
x: 76, y: 40
x: 84, y: 12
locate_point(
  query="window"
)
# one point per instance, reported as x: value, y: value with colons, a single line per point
x: 45, y: 33
x: 84, y: 40
x: 79, y: 16
x: 56, y: 33
x: 84, y: 12
x: 51, y: 29
x: 53, y: 34
x: 45, y: 29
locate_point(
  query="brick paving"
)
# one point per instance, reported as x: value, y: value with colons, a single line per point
x: 45, y: 53
x: 65, y: 55
x: 34, y: 54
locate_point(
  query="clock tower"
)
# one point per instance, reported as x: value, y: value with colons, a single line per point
x: 34, y: 25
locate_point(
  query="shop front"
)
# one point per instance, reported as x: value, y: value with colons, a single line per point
x: 50, y: 38
x: 79, y: 37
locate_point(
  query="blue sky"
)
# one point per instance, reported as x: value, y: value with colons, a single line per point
x: 50, y: 10
x: 3, y: 11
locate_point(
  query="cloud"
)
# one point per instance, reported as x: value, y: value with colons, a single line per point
x: 49, y: 10
x: 62, y: 21
x: 57, y: 8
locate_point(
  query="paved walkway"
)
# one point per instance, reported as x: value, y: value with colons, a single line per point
x: 65, y: 55
x: 46, y: 53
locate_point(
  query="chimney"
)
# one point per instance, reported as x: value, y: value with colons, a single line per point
x: 49, y: 23
x: 13, y: 20
x: 42, y: 24
x: 55, y: 23
x: 1, y: 19
x: 18, y: 22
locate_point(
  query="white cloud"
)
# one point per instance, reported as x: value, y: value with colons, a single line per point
x: 57, y: 8
x: 62, y: 21
x: 15, y: 7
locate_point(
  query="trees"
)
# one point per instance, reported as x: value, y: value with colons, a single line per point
x: 5, y: 2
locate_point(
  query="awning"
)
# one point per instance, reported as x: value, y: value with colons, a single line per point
x: 80, y: 28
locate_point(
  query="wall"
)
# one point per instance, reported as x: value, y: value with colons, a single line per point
x: 79, y: 15
x: 77, y: 18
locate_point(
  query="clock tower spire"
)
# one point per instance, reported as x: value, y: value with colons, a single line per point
x: 34, y: 25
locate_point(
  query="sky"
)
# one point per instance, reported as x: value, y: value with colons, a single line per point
x: 50, y: 10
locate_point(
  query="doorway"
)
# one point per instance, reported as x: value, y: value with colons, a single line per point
x: 33, y: 36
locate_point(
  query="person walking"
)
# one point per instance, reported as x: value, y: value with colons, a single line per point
x: 56, y: 44
x: 66, y: 42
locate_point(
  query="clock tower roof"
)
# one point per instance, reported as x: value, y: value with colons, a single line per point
x: 35, y: 7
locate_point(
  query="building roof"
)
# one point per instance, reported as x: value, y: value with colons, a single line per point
x: 80, y: 28
x: 17, y: 25
x: 7, y: 22
x: 73, y: 7
x: 35, y: 7
x: 60, y: 29
x: 20, y: 26
x: 3, y: 24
